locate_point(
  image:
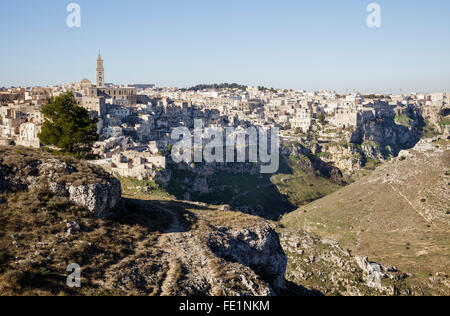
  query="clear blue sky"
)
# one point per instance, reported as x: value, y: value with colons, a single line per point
x: 320, y: 44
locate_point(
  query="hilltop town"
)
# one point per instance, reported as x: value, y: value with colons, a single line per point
x: 134, y: 121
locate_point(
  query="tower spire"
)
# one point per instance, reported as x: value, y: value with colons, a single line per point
x: 100, y: 72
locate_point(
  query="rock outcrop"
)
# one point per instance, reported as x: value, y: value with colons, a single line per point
x: 257, y: 248
x: 84, y: 185
x: 382, y: 136
x: 208, y: 260
x: 374, y: 273
x: 99, y: 198
x: 224, y: 253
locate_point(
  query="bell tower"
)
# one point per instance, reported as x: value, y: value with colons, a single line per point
x: 100, y: 72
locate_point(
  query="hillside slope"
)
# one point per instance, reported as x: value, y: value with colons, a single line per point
x: 398, y: 216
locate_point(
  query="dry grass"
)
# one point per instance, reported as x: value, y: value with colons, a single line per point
x: 35, y: 248
x: 35, y: 259
x: 237, y: 220
x: 170, y: 286
x: 397, y: 216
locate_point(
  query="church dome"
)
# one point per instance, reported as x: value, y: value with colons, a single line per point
x: 86, y: 83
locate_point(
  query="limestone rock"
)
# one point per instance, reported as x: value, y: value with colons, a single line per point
x: 72, y: 228
x: 84, y: 185
x: 98, y: 198
x: 256, y: 247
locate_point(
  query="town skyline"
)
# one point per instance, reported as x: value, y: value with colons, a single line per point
x: 95, y: 78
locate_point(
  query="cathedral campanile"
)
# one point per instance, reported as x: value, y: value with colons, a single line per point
x: 100, y: 72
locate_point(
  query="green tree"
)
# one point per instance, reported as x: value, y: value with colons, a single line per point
x: 322, y: 118
x: 68, y: 127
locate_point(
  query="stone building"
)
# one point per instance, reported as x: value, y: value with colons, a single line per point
x: 115, y: 95
x: 123, y: 96
x: 135, y: 164
x: 345, y: 117
x: 85, y: 85
x: 20, y: 125
x: 28, y: 135
x: 8, y: 97
x: 41, y: 95
x: 93, y: 104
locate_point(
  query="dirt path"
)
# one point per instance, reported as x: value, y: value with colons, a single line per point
x: 184, y: 252
x: 409, y: 202
x: 175, y: 226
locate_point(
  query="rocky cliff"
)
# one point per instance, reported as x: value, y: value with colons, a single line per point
x: 390, y: 130
x: 307, y: 160
x: 377, y: 138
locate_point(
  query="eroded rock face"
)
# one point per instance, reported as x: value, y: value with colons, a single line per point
x: 256, y: 247
x: 82, y: 184
x: 388, y: 136
x: 312, y: 163
x: 98, y: 198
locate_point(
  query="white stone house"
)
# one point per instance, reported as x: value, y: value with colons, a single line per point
x: 134, y: 164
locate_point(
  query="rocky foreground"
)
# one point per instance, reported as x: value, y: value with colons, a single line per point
x: 135, y: 240
x: 59, y: 211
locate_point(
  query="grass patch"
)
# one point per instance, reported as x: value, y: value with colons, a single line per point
x: 445, y: 122
x: 303, y: 187
x: 134, y: 186
x: 402, y: 120
x: 371, y: 164
x: 428, y: 130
